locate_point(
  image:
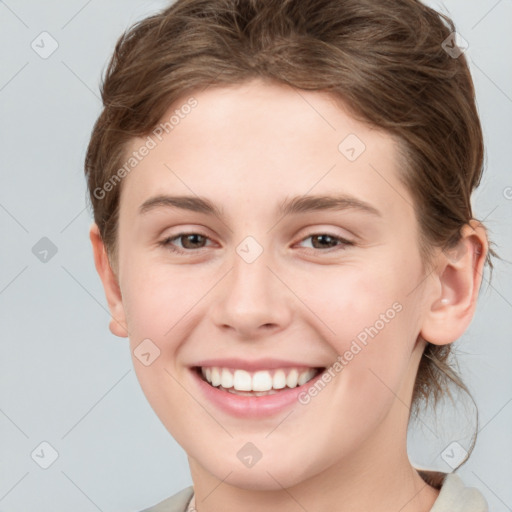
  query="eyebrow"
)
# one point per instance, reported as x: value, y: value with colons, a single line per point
x: 290, y: 206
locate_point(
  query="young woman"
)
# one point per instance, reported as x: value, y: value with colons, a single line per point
x: 284, y: 231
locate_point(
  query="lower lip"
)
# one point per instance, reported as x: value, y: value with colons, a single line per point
x: 252, y: 406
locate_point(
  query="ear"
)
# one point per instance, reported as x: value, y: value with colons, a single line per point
x: 110, y: 284
x: 458, y: 278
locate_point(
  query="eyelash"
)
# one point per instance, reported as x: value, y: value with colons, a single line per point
x: 167, y: 243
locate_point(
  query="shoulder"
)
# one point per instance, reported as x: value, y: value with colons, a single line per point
x: 454, y: 496
x: 176, y: 503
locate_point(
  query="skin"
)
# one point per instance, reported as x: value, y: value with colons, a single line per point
x: 247, y: 148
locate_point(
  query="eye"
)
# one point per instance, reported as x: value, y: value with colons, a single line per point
x: 196, y: 241
x: 327, y: 241
x: 189, y: 242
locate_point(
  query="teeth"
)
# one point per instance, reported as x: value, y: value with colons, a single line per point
x: 305, y: 376
x: 262, y: 382
x: 215, y: 376
x: 279, y: 380
x: 226, y: 379
x: 242, y: 381
x: 291, y: 380
x: 252, y: 393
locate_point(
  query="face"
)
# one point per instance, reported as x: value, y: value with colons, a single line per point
x: 259, y: 276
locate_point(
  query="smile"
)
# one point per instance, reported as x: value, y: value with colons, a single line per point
x: 257, y: 383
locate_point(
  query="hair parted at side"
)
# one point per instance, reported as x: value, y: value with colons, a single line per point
x: 382, y: 58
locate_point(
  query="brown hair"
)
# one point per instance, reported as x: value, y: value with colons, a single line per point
x: 384, y: 58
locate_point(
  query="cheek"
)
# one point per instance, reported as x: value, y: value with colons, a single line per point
x: 371, y: 324
x: 160, y: 302
x: 349, y: 301
x: 159, y: 297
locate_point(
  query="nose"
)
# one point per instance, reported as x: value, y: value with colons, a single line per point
x: 252, y: 300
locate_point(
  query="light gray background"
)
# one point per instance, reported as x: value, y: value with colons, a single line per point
x: 66, y: 380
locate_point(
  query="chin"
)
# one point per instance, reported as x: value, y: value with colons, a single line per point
x: 259, y: 480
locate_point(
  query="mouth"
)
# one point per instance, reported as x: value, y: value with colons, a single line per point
x: 256, y: 383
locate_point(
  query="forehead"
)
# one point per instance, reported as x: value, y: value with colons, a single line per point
x: 259, y: 142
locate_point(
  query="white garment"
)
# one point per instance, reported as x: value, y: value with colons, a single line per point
x: 454, y: 496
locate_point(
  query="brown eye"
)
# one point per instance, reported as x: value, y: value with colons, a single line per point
x: 192, y: 241
x: 189, y: 242
x: 327, y: 241
x: 324, y: 241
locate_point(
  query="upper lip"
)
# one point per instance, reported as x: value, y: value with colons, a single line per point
x: 257, y: 364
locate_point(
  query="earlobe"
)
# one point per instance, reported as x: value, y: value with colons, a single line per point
x: 458, y: 278
x: 110, y: 283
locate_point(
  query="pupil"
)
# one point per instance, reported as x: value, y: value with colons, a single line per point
x: 192, y: 237
x: 324, y: 238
